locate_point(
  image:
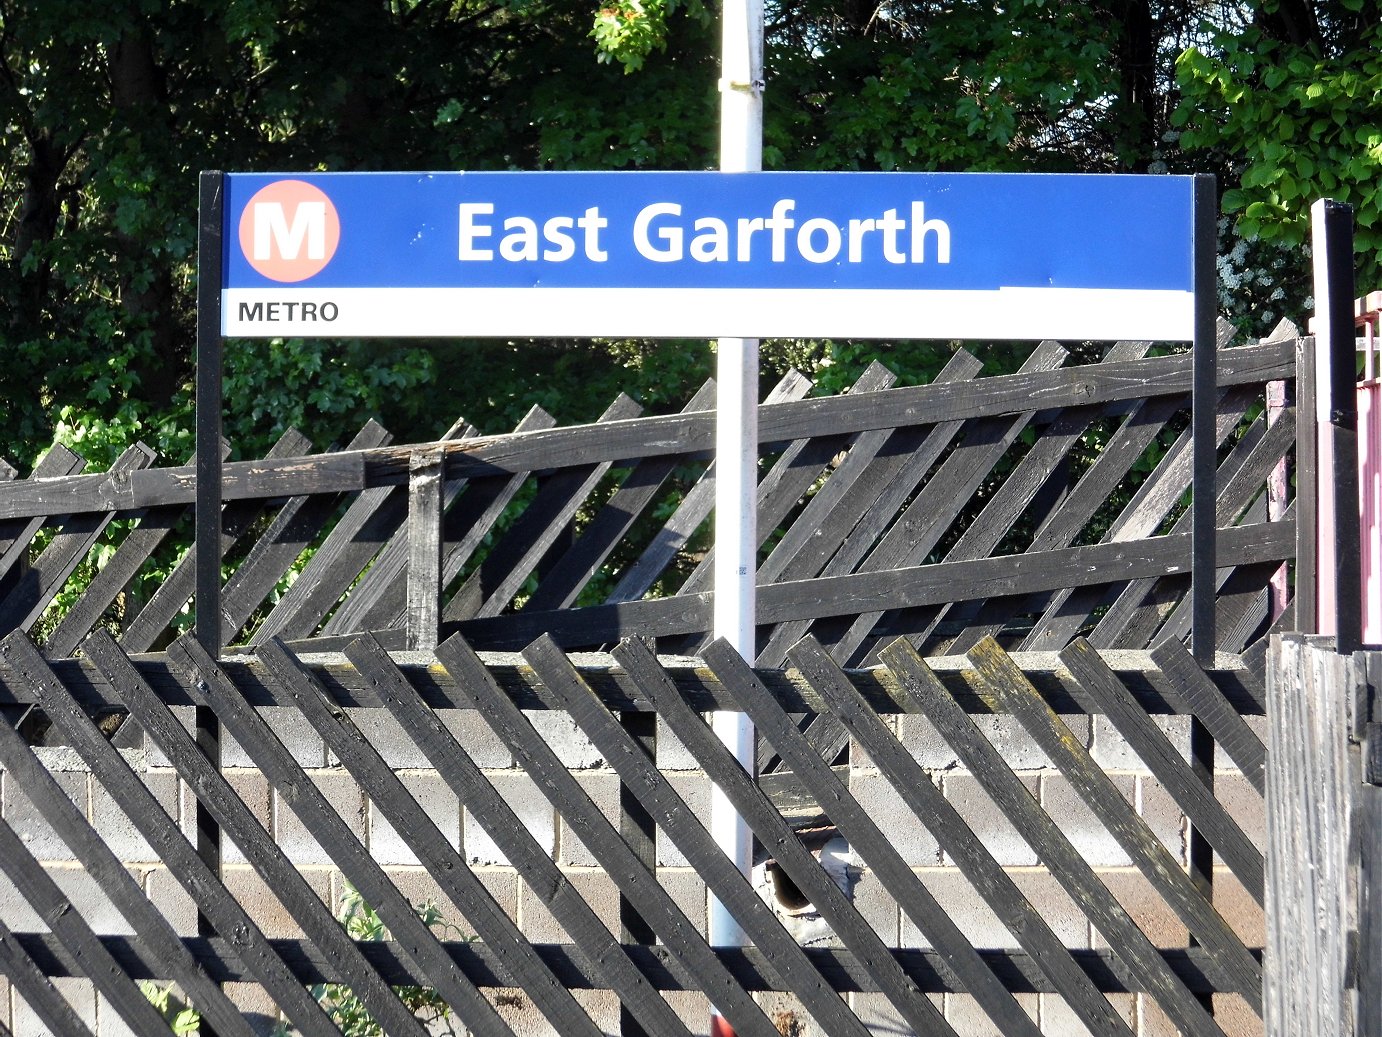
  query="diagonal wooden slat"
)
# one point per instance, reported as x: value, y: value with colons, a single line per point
x: 875, y: 496
x: 326, y: 826
x: 693, y: 510
x: 955, y: 838
x: 433, y: 849
x: 173, y: 848
x: 236, y: 821
x: 1046, y: 458
x: 100, y: 861
x: 1241, y: 972
x: 859, y: 480
x: 490, y: 589
x: 863, y: 833
x: 33, y: 984
x: 45, y: 576
x: 686, y: 831
x: 15, y: 534
x: 1241, y: 478
x: 778, y: 836
x: 145, y: 627
x: 50, y: 903
x: 297, y: 523
x: 154, y: 526
x: 380, y: 596
x: 1224, y: 722
x: 1142, y: 516
x: 792, y: 474
x: 565, y: 580
x: 372, y: 518
x: 635, y: 882
x: 921, y: 691
x: 499, y: 821
x: 920, y: 526
x: 1107, y: 694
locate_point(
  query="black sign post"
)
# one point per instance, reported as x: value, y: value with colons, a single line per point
x: 207, y: 557
x: 1204, y: 417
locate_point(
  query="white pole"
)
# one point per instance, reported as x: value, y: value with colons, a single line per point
x: 736, y: 452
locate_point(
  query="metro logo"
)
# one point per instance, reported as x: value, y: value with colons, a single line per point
x: 289, y: 231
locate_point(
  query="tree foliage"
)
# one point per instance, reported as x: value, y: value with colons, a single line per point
x: 109, y: 108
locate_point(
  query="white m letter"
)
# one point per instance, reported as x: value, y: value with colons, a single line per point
x: 309, y: 222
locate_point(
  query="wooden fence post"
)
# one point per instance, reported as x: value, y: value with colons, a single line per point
x: 1313, y: 789
x: 425, y: 499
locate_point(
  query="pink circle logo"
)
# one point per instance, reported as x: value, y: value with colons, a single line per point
x: 289, y: 231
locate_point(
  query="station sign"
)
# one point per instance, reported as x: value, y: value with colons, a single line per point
x: 708, y: 255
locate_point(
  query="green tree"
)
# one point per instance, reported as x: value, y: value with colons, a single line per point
x: 1286, y: 102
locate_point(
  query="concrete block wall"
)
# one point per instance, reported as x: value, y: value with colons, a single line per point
x: 920, y: 850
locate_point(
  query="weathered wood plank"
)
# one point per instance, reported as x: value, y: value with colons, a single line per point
x: 545, y: 880
x: 724, y: 879
x: 602, y: 840
x: 331, y: 832
x: 849, y: 595
x: 957, y: 839
x: 236, y: 820
x: 425, y: 486
x: 1309, y: 798
x: 926, y: 694
x: 1240, y: 971
x: 442, y: 861
x: 881, y: 856
x: 1369, y: 1021
x: 1208, y: 704
x: 697, y: 684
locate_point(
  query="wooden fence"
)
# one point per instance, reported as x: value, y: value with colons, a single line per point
x: 660, y: 948
x: 1031, y: 507
x: 1325, y: 828
x: 926, y: 532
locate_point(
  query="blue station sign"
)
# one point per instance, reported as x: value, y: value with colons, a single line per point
x: 704, y: 255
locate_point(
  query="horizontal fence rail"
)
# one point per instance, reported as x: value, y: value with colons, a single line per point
x: 1010, y: 769
x: 1033, y: 507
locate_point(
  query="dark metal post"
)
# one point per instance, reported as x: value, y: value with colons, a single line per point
x: 208, y: 546
x: 1203, y: 418
x: 1340, y: 550
x: 210, y: 219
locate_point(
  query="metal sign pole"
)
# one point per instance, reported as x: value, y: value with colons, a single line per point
x: 207, y: 548
x: 1204, y: 418
x: 736, y: 454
